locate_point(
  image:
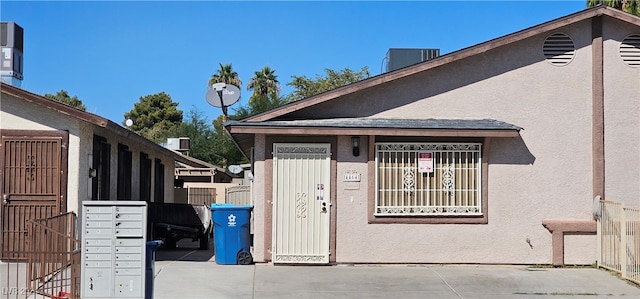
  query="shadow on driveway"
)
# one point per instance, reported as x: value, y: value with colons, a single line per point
x: 185, y: 250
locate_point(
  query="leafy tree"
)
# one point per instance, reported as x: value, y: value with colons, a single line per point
x: 227, y: 153
x: 264, y: 83
x: 265, y: 89
x: 630, y: 6
x: 62, y: 96
x: 227, y: 75
x: 154, y: 116
x: 201, y: 136
x: 305, y: 87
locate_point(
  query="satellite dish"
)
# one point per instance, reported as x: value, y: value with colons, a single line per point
x: 128, y: 122
x: 235, y: 169
x: 222, y: 94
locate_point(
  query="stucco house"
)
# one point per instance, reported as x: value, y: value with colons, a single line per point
x: 490, y: 154
x: 54, y: 156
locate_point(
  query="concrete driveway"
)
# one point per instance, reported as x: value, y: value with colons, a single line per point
x: 190, y: 273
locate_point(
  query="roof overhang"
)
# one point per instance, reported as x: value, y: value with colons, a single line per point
x: 484, y: 47
x: 98, y: 121
x: 243, y: 132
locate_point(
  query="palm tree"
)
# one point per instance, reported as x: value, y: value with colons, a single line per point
x: 264, y: 83
x: 630, y: 6
x: 227, y: 75
x: 266, y: 90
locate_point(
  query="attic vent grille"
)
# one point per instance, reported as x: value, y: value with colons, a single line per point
x: 558, y: 49
x: 630, y: 50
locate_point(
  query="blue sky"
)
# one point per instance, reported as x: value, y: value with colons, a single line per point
x: 111, y: 53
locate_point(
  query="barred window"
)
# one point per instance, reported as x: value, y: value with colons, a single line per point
x: 428, y: 179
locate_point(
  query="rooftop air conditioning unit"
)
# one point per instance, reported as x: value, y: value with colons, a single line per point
x: 399, y: 58
x: 11, y: 49
x: 178, y: 144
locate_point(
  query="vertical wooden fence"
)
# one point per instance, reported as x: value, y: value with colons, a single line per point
x: 619, y: 239
x: 200, y: 195
x: 239, y: 195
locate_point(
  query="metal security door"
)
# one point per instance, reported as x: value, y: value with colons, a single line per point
x: 31, y: 187
x: 301, y: 205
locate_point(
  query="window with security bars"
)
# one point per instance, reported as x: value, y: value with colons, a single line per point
x: 428, y: 179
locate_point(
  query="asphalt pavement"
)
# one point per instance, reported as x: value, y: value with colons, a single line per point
x: 189, y: 273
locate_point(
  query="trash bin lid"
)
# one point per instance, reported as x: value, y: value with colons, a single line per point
x: 228, y: 206
x: 154, y: 244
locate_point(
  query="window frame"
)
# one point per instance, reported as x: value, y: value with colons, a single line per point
x: 429, y: 219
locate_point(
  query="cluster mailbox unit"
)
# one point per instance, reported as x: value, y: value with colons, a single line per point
x: 113, y: 249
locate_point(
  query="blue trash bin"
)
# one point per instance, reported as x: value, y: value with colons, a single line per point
x: 152, y: 247
x: 232, y: 234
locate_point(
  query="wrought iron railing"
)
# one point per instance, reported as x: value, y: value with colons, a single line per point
x: 53, y: 257
x: 619, y: 239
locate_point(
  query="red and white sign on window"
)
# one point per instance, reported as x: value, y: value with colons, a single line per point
x: 425, y: 162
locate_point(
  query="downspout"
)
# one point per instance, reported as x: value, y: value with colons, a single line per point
x: 597, y: 86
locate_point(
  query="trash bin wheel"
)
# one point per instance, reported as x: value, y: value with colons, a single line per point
x: 244, y: 258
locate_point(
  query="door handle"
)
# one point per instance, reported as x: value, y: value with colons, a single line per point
x: 5, y: 199
x: 324, y: 207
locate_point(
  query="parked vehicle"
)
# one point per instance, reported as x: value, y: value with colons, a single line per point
x: 172, y: 222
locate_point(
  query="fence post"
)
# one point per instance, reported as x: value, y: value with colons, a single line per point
x: 599, y: 237
x: 623, y: 241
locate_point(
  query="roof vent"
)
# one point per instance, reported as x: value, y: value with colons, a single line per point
x: 630, y: 50
x: 558, y: 49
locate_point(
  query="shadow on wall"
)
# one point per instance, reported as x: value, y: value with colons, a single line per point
x: 510, y: 151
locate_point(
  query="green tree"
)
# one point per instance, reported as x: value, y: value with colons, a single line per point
x: 266, y: 91
x: 227, y: 153
x: 154, y: 116
x: 227, y: 75
x: 201, y: 136
x: 630, y: 6
x: 305, y: 87
x: 62, y: 96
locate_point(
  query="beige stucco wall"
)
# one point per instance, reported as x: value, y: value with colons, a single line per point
x: 259, y: 205
x: 544, y: 174
x: 622, y: 118
x: 20, y: 115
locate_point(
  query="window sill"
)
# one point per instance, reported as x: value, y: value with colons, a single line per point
x: 463, y: 219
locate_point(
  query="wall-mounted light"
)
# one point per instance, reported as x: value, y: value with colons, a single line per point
x: 93, y: 172
x: 355, y: 140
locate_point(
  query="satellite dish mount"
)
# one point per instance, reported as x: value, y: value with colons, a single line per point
x: 223, y: 95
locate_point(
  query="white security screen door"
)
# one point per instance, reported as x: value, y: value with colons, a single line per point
x: 301, y: 205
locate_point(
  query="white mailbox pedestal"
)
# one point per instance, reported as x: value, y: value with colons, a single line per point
x: 114, y: 237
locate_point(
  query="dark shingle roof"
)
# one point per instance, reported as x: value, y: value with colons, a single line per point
x: 451, y: 124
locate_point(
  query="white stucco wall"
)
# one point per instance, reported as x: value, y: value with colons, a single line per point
x: 17, y: 114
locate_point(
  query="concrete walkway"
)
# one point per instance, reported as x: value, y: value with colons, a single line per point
x: 190, y: 274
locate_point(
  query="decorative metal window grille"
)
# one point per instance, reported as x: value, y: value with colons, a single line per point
x: 452, y: 187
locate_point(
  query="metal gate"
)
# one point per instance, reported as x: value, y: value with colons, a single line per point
x: 32, y: 171
x: 302, y: 200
